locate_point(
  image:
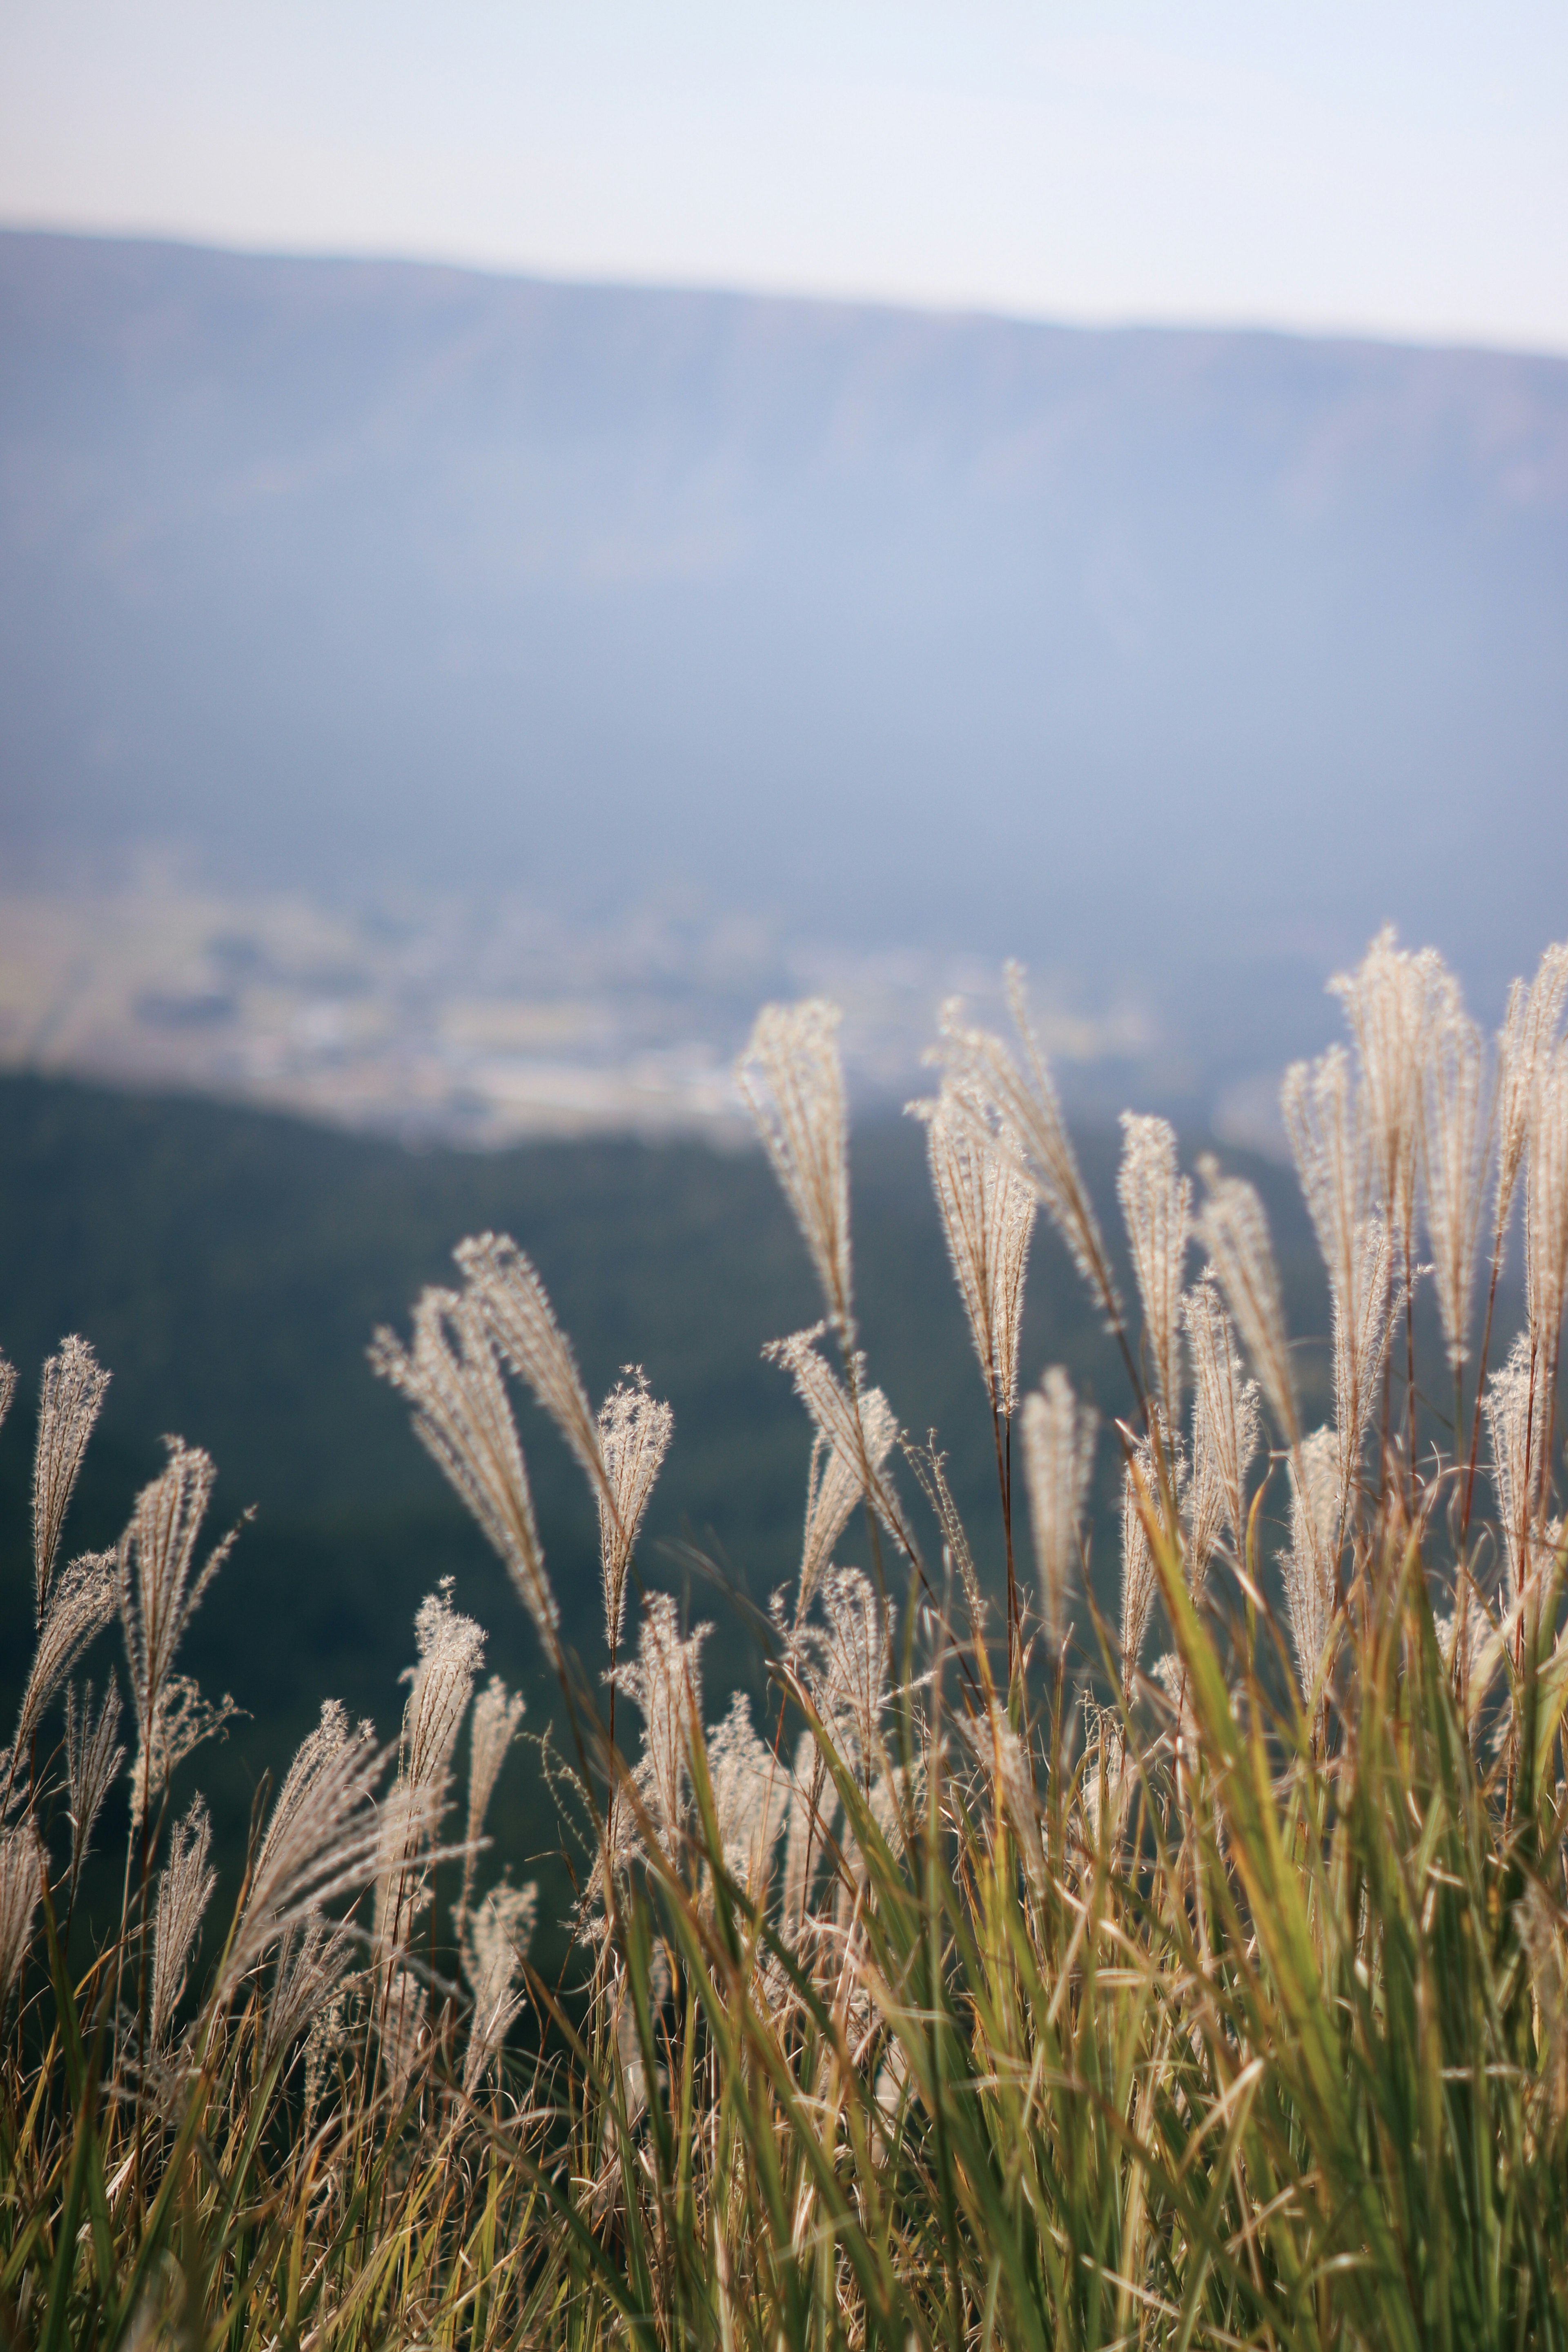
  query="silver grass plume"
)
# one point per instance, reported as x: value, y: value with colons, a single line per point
x: 860, y: 1426
x: 1455, y: 1136
x: 1390, y: 1001
x: 80, y: 1602
x: 1526, y: 1040
x: 635, y: 1431
x: 987, y: 1214
x: 325, y: 1838
x: 1058, y: 1439
x: 451, y: 1650
x: 1546, y: 1221
x: 1157, y: 1205
x: 21, y: 1884
x: 160, y: 1588
x: 836, y: 1482
x: 8, y: 1385
x: 185, y: 1890
x: 93, y: 1757
x: 1022, y: 1106
x: 1308, y: 1567
x: 792, y: 1080
x: 750, y: 1797
x: 1514, y: 1404
x: 496, y: 1938
x: 1142, y: 1500
x: 1106, y: 1785
x: 521, y: 1321
x: 848, y: 1677
x: 68, y: 1404
x: 1324, y: 1118
x: 463, y: 1419
x: 313, y: 1958
x: 491, y: 1730
x: 929, y: 1470
x: 1361, y: 1347
x: 666, y: 1685
x: 1233, y: 1230
x: 182, y: 1720
x: 1224, y: 1405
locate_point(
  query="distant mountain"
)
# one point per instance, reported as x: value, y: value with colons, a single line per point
x: 1185, y: 656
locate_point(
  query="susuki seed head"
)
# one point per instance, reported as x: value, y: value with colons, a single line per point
x: 987, y: 1214
x: 793, y: 1082
x: 1157, y: 1203
x: 1058, y: 1436
x: 71, y: 1397
x: 1233, y: 1228
x: 635, y: 1431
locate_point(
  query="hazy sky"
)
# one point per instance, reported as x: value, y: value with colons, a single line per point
x: 1363, y: 164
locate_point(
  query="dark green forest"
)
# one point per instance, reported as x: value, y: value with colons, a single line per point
x: 229, y: 1266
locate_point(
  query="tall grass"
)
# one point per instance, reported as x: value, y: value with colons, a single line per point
x: 1192, y: 1973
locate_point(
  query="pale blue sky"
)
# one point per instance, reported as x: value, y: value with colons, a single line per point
x: 1387, y: 167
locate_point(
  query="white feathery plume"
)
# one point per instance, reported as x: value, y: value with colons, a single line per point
x: 325, y: 1838
x: 1233, y: 1230
x: 1021, y: 1112
x: 158, y: 1588
x: 1330, y: 1142
x: 1309, y: 1567
x: 834, y: 1484
x: 1546, y: 1221
x: 1157, y: 1205
x: 21, y: 1882
x: 1058, y: 1437
x: 750, y: 1797
x: 1390, y: 1001
x: 635, y: 1431
x: 68, y: 1404
x: 1526, y: 1040
x: 792, y: 1080
x: 451, y: 1651
x: 1455, y: 1137
x: 463, y: 1419
x: 1360, y: 1347
x: 987, y: 1214
x: 93, y: 1757
x: 8, y: 1385
x: 861, y: 1428
x: 521, y: 1321
x: 491, y: 1730
x: 1514, y: 1404
x: 80, y: 1602
x: 1138, y: 1573
x: 1225, y: 1407
x: 312, y: 1960
x: 182, y: 1720
x: 849, y: 1683
x: 496, y: 1938
x: 1206, y: 1509
x: 184, y: 1889
x: 665, y: 1683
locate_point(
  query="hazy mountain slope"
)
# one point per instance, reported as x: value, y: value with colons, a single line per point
x: 1107, y: 646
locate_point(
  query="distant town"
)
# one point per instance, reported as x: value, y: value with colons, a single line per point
x: 455, y: 1023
